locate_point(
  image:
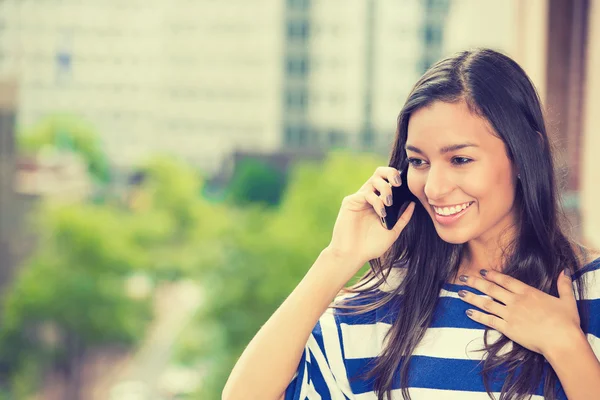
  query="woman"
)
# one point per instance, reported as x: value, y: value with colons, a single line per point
x: 473, y: 293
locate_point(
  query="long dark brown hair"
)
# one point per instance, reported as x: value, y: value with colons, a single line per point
x: 496, y: 88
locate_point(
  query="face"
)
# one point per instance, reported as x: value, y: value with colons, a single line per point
x: 458, y: 165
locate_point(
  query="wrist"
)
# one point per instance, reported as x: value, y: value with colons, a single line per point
x: 573, y: 343
x: 347, y: 261
x: 338, y: 267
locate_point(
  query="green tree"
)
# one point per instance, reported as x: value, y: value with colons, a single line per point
x: 70, y: 296
x: 256, y: 181
x: 179, y: 230
x: 71, y: 133
x: 266, y: 253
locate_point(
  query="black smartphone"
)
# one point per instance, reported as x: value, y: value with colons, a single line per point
x: 401, y: 198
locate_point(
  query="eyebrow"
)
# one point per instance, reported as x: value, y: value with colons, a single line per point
x: 443, y: 150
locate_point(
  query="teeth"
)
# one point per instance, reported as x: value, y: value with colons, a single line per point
x: 451, y: 210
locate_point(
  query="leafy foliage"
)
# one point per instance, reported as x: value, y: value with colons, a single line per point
x: 266, y: 253
x: 71, y: 133
x: 70, y: 294
x: 255, y: 181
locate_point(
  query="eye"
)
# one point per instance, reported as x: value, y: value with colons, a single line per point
x: 461, y: 160
x: 415, y: 162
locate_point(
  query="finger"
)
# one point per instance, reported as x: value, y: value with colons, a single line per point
x: 507, y: 282
x: 377, y: 203
x: 390, y: 174
x: 404, y: 218
x: 489, y: 288
x: 488, y: 320
x: 565, y: 286
x: 485, y: 303
x: 384, y: 189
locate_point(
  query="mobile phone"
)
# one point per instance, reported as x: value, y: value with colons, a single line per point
x: 401, y: 198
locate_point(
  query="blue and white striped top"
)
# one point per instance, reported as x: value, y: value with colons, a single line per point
x: 445, y: 365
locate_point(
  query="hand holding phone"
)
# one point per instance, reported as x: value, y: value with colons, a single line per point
x: 401, y: 198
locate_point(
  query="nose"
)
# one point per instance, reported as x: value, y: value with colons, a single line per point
x: 438, y: 184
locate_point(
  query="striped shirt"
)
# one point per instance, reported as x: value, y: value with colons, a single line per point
x: 446, y: 365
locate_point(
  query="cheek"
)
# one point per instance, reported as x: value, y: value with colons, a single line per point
x: 495, y: 191
x: 416, y: 185
x: 489, y: 186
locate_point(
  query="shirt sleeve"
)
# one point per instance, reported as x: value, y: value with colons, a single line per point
x: 321, y: 372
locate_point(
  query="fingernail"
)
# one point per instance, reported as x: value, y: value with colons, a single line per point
x: 388, y: 200
x: 567, y: 273
x: 483, y: 272
x: 397, y: 180
x: 463, y: 278
x: 462, y: 293
x: 469, y: 312
x: 383, y: 222
x: 383, y: 213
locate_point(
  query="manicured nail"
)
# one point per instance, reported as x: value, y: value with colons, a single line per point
x: 469, y: 313
x: 463, y: 278
x: 567, y: 273
x: 397, y: 180
x: 383, y: 213
x: 483, y: 272
x: 388, y: 200
x: 462, y: 293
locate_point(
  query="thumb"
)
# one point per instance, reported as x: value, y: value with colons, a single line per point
x: 404, y: 218
x: 565, y: 285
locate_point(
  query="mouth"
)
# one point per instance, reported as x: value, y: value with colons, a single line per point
x: 448, y: 215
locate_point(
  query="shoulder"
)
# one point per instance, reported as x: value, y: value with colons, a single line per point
x: 585, y: 255
x: 589, y: 276
x: 356, y: 316
x: 593, y: 257
x: 589, y: 272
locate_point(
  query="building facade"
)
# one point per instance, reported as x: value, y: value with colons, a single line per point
x: 203, y: 79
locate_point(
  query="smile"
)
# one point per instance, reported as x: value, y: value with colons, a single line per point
x: 446, y: 211
x: 449, y: 215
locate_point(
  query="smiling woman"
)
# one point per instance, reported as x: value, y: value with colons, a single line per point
x: 477, y: 292
x: 455, y: 160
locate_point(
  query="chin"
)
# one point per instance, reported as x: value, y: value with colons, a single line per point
x: 454, y: 236
x: 453, y: 240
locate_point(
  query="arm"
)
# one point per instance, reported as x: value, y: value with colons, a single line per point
x: 265, y: 369
x: 268, y: 364
x: 577, y: 368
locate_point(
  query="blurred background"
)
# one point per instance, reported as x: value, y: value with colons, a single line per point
x: 169, y: 170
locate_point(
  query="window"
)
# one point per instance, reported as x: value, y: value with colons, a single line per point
x: 297, y: 67
x: 298, y: 30
x: 433, y: 35
x: 296, y: 99
x: 337, y: 138
x: 296, y: 135
x: 298, y: 4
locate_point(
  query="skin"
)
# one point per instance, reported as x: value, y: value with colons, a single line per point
x: 270, y: 360
x: 482, y: 174
x: 525, y: 315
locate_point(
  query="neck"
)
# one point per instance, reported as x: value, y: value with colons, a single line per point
x: 487, y: 251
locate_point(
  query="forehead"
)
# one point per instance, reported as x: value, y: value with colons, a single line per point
x: 442, y: 124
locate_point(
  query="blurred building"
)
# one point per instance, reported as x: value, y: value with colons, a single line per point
x: 8, y: 220
x: 203, y: 79
x: 350, y: 66
x: 589, y: 144
x: 62, y: 177
x: 558, y: 44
